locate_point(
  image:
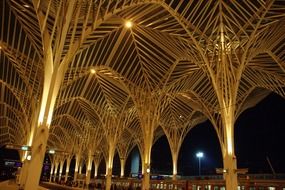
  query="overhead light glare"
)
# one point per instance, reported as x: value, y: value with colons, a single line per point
x: 92, y: 71
x: 128, y: 24
x: 27, y: 6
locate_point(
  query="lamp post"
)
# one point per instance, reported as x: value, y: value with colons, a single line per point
x: 199, y: 155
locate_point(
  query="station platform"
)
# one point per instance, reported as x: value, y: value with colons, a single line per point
x: 11, y: 185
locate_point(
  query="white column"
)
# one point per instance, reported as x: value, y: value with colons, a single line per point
x: 89, y: 168
x: 109, y: 166
x: 55, y: 171
x: 122, y: 167
x: 77, y: 163
x: 51, y: 171
x: 37, y: 158
x: 96, y: 165
x: 174, y: 165
x: 146, y: 163
x: 67, y: 168
x: 60, y: 169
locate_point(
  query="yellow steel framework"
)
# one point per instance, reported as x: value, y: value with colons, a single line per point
x: 92, y: 77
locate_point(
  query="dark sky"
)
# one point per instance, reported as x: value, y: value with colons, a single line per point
x: 259, y: 133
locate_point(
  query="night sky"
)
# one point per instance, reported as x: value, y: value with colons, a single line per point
x: 259, y: 134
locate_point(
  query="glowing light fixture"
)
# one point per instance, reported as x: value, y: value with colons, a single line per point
x: 92, y: 71
x: 25, y: 148
x: 29, y: 157
x: 147, y: 170
x: 199, y: 155
x: 128, y: 24
x: 27, y: 6
x: 51, y: 151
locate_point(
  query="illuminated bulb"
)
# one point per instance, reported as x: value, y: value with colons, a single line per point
x: 27, y: 6
x: 147, y: 170
x: 128, y: 24
x: 92, y: 71
x: 29, y: 157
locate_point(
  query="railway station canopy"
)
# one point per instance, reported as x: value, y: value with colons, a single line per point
x: 89, y: 78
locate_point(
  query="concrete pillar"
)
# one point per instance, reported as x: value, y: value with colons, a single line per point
x: 229, y: 158
x: 68, y: 160
x: 89, y: 168
x: 231, y: 172
x: 146, y: 162
x: 77, y: 163
x: 55, y: 171
x: 109, y: 165
x: 61, y: 169
x: 51, y: 172
x: 96, y: 165
x: 108, y: 179
x: 37, y: 158
x: 146, y: 177
x: 174, y: 165
x: 24, y: 173
x: 122, y: 160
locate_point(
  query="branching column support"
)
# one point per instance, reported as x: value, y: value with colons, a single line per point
x: 174, y: 164
x: 68, y: 160
x: 96, y: 166
x: 77, y: 163
x: 149, y: 116
x: 80, y: 167
x: 89, y: 167
x: 146, y: 159
x: 109, y: 165
x: 25, y: 167
x: 51, y: 171
x: 123, y: 161
x: 229, y: 159
x: 54, y: 70
x: 55, y: 170
x: 61, y: 168
x: 226, y: 88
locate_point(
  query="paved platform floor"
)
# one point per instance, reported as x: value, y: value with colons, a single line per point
x: 11, y: 185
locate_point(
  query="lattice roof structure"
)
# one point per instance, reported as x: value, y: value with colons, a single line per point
x: 180, y: 63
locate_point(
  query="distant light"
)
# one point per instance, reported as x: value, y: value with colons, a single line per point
x: 128, y: 24
x: 27, y: 6
x: 29, y: 157
x: 180, y: 116
x: 147, y: 170
x: 92, y: 71
x: 200, y: 155
x: 51, y: 151
x: 25, y: 148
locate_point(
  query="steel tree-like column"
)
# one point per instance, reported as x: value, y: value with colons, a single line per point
x: 109, y: 166
x: 229, y: 158
x: 60, y: 169
x: 89, y: 167
x: 51, y: 171
x: 174, y: 164
x: 77, y: 163
x: 122, y: 161
x: 96, y: 165
x: 55, y: 170
x: 68, y: 160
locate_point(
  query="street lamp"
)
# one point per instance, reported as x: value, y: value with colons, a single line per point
x: 199, y: 155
